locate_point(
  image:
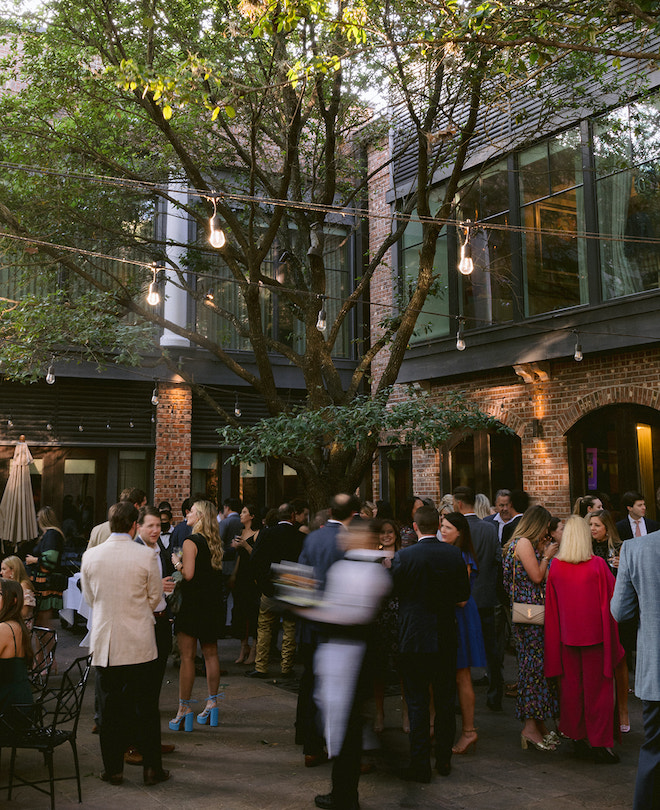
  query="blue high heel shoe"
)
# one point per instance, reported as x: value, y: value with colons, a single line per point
x: 185, y: 719
x: 210, y: 715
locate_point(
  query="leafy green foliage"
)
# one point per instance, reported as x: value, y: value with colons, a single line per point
x: 418, y: 420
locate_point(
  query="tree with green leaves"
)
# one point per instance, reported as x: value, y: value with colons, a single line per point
x: 258, y: 115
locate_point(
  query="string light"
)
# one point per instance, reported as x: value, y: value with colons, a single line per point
x: 131, y: 424
x: 50, y: 376
x: 466, y: 265
x: 80, y: 428
x: 237, y: 410
x: 153, y: 296
x: 10, y: 424
x: 460, y: 340
x: 216, y: 234
x: 322, y: 320
x: 49, y: 427
x: 577, y: 355
x: 154, y: 396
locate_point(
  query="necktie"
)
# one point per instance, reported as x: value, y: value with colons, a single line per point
x: 638, y: 531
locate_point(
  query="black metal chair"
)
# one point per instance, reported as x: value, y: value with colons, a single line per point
x: 44, y: 643
x: 48, y: 724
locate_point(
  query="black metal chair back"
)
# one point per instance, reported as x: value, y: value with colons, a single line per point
x: 58, y: 713
x: 44, y: 644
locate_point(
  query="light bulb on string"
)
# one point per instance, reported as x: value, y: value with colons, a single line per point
x: 460, y: 340
x: 216, y: 234
x: 50, y: 376
x: 49, y: 427
x: 154, y: 396
x: 577, y: 354
x: 153, y: 296
x: 80, y: 428
x: 10, y: 423
x: 466, y: 265
x: 322, y: 320
x: 237, y: 409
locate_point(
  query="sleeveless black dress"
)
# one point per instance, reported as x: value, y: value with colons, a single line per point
x: 200, y: 614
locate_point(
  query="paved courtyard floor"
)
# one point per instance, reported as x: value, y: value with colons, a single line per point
x: 250, y: 762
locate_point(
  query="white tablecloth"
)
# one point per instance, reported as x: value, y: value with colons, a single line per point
x: 74, y: 602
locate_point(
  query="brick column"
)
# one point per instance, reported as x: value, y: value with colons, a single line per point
x: 172, y: 466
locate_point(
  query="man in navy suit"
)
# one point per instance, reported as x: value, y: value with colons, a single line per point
x: 430, y: 579
x: 635, y: 524
x: 636, y: 594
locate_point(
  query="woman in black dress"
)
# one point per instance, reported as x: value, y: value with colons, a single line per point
x: 244, y: 588
x: 200, y: 614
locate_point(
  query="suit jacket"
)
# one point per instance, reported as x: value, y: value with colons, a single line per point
x: 99, y: 534
x: 430, y: 577
x: 274, y: 544
x: 489, y: 561
x: 229, y: 528
x: 122, y: 584
x: 625, y: 529
x: 507, y: 531
x: 636, y: 594
x: 320, y: 550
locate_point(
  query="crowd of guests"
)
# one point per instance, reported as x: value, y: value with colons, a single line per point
x: 438, y: 603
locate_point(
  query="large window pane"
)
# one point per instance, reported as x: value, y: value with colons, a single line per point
x: 486, y: 294
x: 629, y: 208
x: 554, y: 259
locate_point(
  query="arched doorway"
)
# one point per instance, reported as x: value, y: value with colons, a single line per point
x: 615, y: 449
x: 485, y: 460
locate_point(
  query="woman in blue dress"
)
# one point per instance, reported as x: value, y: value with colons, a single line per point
x: 455, y: 529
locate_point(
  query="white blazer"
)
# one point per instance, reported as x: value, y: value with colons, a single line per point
x: 121, y: 582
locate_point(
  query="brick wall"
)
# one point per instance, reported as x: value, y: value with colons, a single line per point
x: 572, y: 391
x: 172, y: 466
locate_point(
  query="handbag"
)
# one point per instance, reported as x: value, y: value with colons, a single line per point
x: 521, y: 612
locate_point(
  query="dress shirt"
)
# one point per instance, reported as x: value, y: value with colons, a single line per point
x: 162, y: 605
x: 633, y: 526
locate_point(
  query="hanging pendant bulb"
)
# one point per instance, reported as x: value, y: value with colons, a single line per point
x: 466, y: 265
x: 322, y: 320
x: 237, y: 409
x: 50, y: 376
x: 49, y: 427
x: 80, y: 428
x: 577, y: 355
x: 216, y: 234
x: 460, y: 341
x: 154, y: 396
x: 10, y: 424
x: 153, y: 296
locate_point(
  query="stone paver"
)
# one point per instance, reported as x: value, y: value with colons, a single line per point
x: 250, y: 762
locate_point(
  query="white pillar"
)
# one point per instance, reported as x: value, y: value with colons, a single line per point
x: 175, y: 308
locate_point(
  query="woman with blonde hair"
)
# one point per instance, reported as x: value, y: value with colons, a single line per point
x: 49, y: 578
x: 13, y: 568
x: 582, y: 645
x: 200, y: 613
x: 482, y: 507
x: 526, y: 563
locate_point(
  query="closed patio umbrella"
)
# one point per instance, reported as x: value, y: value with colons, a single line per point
x: 18, y: 520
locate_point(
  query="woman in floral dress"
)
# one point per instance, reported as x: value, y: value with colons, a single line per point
x: 526, y: 563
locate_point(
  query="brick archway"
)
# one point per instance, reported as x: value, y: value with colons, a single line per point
x: 612, y: 395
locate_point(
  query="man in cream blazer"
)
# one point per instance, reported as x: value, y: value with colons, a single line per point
x: 122, y: 583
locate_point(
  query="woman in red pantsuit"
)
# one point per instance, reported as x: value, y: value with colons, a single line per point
x: 582, y: 643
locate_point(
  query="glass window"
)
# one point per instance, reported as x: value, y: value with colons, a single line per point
x: 281, y: 320
x: 486, y: 294
x: 554, y: 258
x: 433, y: 320
x: 627, y: 149
x: 133, y: 470
x: 204, y: 473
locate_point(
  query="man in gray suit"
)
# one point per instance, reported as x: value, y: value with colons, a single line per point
x: 485, y: 588
x: 636, y: 594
